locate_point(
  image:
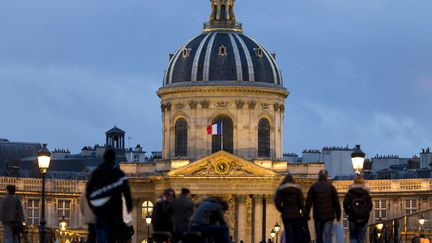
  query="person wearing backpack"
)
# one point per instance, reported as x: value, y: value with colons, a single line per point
x: 107, y: 187
x: 357, y: 205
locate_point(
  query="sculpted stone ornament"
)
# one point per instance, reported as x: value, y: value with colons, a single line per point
x: 239, y: 104
x: 252, y: 105
x: 180, y: 106
x: 193, y: 104
x: 222, y: 104
x: 264, y: 106
x: 222, y: 164
x: 205, y: 104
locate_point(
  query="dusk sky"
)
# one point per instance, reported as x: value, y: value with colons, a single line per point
x: 358, y: 72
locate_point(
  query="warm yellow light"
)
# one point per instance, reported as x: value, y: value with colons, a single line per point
x: 421, y: 221
x: 277, y: 227
x: 380, y: 226
x: 148, y: 219
x: 272, y: 233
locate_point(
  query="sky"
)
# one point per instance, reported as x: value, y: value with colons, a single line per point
x: 358, y: 72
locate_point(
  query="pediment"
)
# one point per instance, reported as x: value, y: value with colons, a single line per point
x: 222, y: 164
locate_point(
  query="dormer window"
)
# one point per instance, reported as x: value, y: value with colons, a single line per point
x: 186, y: 52
x: 222, y: 51
x: 259, y: 52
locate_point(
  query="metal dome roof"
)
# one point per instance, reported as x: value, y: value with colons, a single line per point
x: 222, y: 53
x: 222, y: 56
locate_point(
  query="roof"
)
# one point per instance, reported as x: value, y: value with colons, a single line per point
x: 13, y: 152
x: 222, y: 56
x: 115, y: 129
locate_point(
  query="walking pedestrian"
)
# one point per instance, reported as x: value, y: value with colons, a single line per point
x: 11, y: 215
x: 326, y: 207
x: 208, y: 219
x: 182, y: 209
x: 289, y: 200
x: 105, y: 190
x: 358, y: 204
x: 89, y: 218
x: 162, y: 213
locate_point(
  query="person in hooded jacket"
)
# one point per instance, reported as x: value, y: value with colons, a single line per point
x: 358, y: 204
x: 105, y: 190
x: 289, y: 201
x: 326, y: 207
x: 208, y: 219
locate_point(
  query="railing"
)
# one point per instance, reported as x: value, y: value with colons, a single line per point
x: 222, y: 25
x: 389, y: 185
x: 403, y: 228
x: 35, y: 185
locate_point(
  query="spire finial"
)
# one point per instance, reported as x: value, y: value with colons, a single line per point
x: 222, y: 17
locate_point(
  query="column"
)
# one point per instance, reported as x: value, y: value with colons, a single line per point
x: 241, y: 218
x: 258, y: 218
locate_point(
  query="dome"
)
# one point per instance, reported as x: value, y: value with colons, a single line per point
x: 222, y: 53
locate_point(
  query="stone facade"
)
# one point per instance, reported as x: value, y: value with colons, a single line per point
x: 246, y: 186
x: 244, y: 105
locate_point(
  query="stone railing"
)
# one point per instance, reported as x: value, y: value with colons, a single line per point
x: 35, y: 185
x: 389, y: 185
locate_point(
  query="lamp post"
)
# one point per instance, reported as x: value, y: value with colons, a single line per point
x: 148, y: 220
x: 421, y: 222
x: 63, y: 227
x: 379, y: 228
x: 357, y: 159
x: 273, y: 234
x: 44, y: 159
x: 277, y: 228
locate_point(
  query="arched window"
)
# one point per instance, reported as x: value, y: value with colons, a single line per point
x: 181, y: 129
x: 263, y: 138
x: 227, y: 133
x: 146, y: 208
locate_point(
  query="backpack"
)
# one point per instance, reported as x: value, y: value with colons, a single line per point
x: 359, y: 209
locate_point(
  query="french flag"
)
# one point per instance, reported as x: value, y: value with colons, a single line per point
x: 215, y: 129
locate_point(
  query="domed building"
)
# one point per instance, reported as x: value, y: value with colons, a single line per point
x: 222, y: 77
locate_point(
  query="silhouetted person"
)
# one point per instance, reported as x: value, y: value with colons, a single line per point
x: 182, y: 209
x: 208, y: 219
x: 289, y: 201
x: 324, y: 198
x: 11, y: 213
x: 162, y: 214
x: 358, y: 204
x: 104, y: 192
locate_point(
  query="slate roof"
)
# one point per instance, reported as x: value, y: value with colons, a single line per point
x: 12, y: 152
x: 201, y: 59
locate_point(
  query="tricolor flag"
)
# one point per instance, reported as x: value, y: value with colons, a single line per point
x: 215, y: 129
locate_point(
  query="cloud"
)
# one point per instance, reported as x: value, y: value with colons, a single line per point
x: 379, y: 133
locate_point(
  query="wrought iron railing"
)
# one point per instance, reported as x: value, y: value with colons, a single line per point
x: 402, y: 229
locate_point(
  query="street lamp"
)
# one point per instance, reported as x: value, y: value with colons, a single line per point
x: 277, y: 228
x: 63, y: 226
x: 272, y: 233
x: 421, y: 222
x: 44, y: 158
x: 379, y: 228
x: 148, y: 220
x: 357, y: 159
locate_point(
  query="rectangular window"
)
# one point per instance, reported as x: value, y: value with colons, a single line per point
x: 136, y: 158
x: 380, y: 209
x: 410, y: 206
x: 64, y: 209
x: 33, y: 211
